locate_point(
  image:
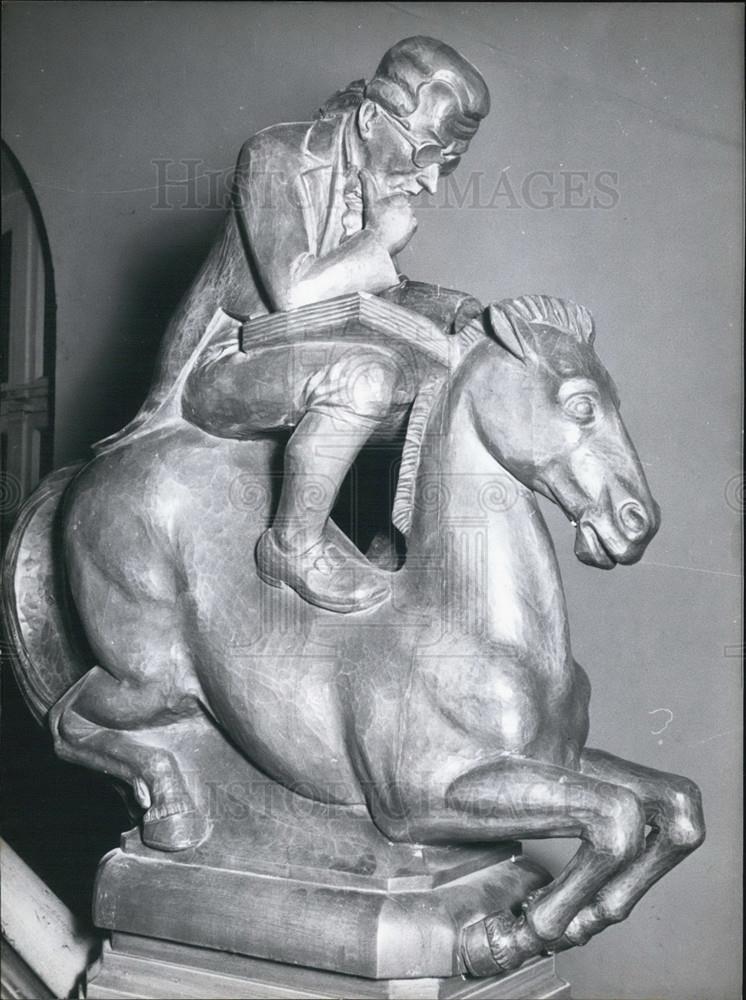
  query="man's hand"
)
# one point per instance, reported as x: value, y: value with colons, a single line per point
x: 452, y: 311
x: 469, y: 313
x: 390, y: 218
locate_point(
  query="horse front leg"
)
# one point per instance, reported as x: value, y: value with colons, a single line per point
x: 673, y: 810
x: 516, y: 797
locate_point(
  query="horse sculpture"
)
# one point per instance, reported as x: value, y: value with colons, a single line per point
x: 455, y: 712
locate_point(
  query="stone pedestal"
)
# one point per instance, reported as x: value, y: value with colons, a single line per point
x: 160, y: 970
x: 380, y: 925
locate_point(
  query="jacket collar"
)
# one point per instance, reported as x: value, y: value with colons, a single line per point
x: 326, y: 152
x: 324, y: 142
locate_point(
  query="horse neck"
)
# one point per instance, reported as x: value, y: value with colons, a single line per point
x: 479, y: 547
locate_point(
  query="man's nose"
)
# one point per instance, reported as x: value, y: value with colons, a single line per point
x: 428, y: 177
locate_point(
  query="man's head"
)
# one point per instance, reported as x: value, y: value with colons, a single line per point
x: 418, y: 114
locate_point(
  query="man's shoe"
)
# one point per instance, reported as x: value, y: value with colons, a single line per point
x: 330, y: 575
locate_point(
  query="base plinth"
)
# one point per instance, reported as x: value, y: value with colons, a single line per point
x: 134, y: 967
x: 396, y: 928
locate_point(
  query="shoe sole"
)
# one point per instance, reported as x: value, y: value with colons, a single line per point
x: 342, y: 609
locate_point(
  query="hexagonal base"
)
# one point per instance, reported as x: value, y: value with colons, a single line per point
x: 402, y: 927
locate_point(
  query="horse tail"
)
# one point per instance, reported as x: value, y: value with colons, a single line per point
x: 43, y: 637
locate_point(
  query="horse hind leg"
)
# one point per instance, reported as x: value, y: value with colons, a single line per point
x: 673, y: 810
x: 102, y: 723
x: 526, y: 799
x: 531, y: 799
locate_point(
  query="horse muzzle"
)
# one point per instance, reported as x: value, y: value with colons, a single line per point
x: 607, y: 541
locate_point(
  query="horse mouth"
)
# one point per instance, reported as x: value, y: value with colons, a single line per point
x: 590, y: 549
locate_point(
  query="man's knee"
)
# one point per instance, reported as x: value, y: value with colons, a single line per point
x: 364, y: 386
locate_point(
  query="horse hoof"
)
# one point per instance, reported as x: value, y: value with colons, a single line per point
x: 177, y: 831
x: 486, y: 947
x: 476, y: 954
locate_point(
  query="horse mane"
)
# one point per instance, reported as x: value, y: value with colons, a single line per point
x: 401, y: 516
x: 563, y: 314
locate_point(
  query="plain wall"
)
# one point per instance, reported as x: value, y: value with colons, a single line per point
x: 95, y: 92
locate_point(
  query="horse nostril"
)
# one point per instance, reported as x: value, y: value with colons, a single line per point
x: 633, y: 519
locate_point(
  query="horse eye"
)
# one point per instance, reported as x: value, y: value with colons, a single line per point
x: 581, y: 408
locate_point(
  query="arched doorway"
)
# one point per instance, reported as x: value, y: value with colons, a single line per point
x: 27, y: 311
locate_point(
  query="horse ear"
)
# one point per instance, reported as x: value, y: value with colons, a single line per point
x: 505, y: 332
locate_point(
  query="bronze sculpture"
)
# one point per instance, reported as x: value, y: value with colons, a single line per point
x: 445, y: 707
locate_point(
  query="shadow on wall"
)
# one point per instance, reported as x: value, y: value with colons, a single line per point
x: 153, y: 288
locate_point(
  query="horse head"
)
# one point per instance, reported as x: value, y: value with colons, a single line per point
x: 555, y: 425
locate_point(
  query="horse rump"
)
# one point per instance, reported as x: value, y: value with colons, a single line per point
x: 44, y: 640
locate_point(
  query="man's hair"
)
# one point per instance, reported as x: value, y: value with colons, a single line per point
x: 404, y: 70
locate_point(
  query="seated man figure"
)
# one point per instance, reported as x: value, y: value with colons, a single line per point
x: 322, y: 209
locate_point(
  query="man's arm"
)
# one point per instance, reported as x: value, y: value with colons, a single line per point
x: 280, y: 223
x: 448, y: 308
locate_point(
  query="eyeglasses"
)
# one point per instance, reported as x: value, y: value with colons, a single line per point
x: 427, y: 153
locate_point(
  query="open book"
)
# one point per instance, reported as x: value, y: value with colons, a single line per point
x: 355, y: 317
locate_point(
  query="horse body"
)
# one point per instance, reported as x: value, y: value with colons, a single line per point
x: 455, y: 711
x: 447, y: 656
